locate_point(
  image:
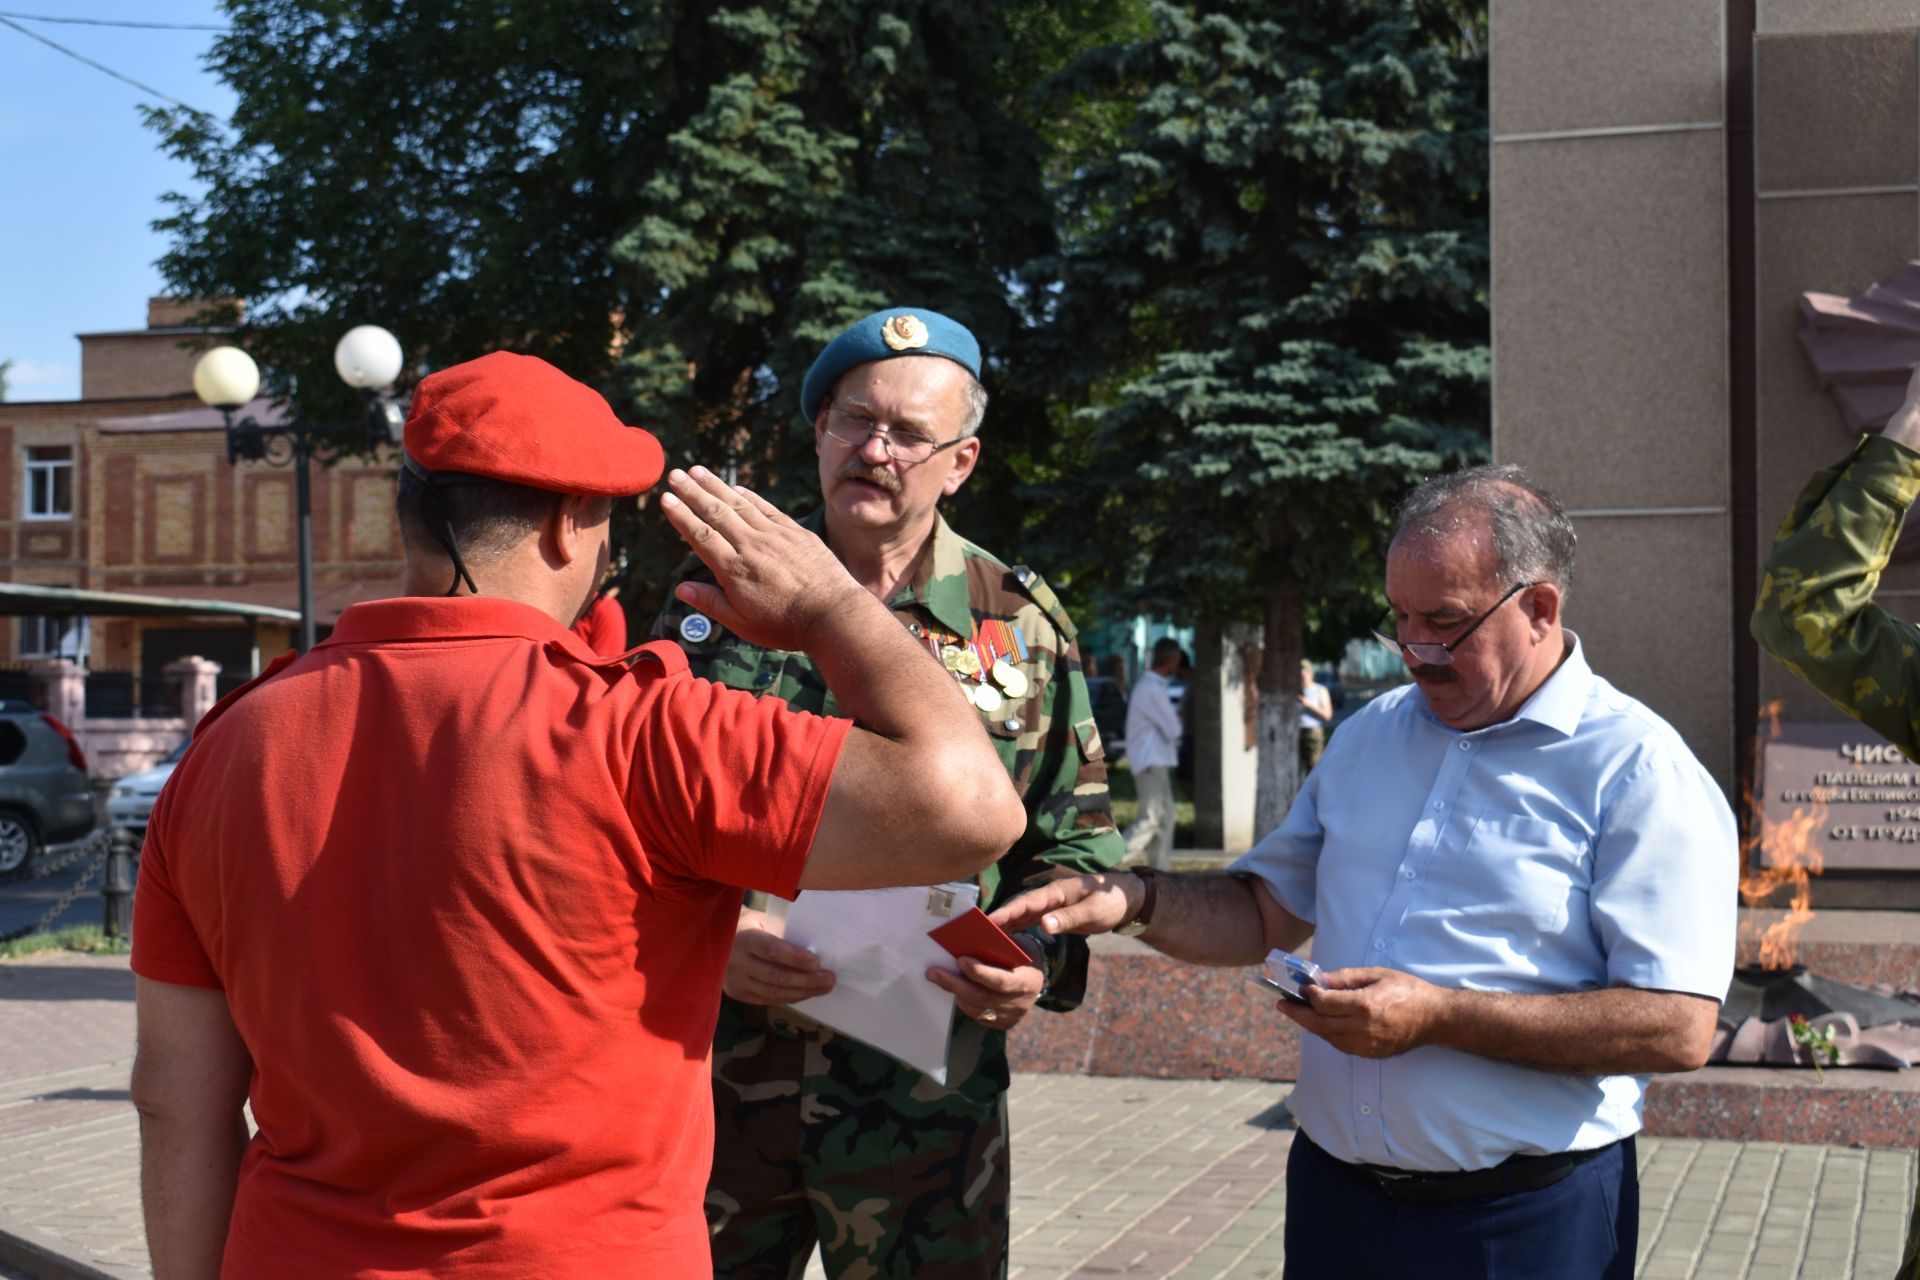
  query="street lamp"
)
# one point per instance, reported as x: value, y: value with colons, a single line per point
x: 368, y: 359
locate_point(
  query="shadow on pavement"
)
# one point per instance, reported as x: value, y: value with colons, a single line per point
x: 64, y: 982
x: 85, y: 1095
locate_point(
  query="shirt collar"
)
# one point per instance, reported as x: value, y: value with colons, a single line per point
x: 1557, y: 704
x: 405, y: 618
x: 939, y: 582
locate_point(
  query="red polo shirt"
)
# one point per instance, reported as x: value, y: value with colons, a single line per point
x: 469, y: 890
x: 605, y: 626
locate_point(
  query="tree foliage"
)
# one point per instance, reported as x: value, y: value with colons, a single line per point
x: 677, y: 202
x: 1228, y: 259
x: 452, y: 169
x: 1272, y: 308
x: 839, y: 156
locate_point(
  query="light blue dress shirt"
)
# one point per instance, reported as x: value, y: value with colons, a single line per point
x: 1577, y: 845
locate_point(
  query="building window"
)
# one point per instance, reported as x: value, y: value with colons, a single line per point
x: 44, y: 637
x: 50, y: 482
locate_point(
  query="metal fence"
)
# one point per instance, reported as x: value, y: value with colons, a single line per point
x: 18, y: 685
x: 124, y: 695
x: 92, y: 851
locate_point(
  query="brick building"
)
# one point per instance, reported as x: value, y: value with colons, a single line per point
x: 128, y: 489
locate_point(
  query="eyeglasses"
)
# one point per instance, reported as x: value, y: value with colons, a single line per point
x: 849, y: 426
x: 1433, y: 653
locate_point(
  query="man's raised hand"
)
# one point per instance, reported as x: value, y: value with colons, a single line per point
x: 777, y: 580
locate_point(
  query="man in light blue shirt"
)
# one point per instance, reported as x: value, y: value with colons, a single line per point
x: 1153, y: 749
x: 1521, y: 884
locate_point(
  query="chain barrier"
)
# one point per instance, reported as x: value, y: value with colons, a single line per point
x: 95, y: 847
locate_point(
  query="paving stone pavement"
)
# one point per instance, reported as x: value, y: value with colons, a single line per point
x: 1114, y: 1177
x: 69, y: 1156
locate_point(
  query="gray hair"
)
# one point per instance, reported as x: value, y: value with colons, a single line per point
x: 1532, y: 538
x: 976, y: 407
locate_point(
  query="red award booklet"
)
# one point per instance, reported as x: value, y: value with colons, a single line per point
x: 975, y: 936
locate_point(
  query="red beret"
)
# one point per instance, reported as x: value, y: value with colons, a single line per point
x: 520, y: 420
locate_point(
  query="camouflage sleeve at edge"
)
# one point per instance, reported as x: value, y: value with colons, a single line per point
x: 1814, y: 610
x: 666, y: 624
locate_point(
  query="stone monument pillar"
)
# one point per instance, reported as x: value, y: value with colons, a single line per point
x: 62, y: 690
x: 198, y: 687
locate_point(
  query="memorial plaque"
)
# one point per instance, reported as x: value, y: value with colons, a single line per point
x: 1869, y: 794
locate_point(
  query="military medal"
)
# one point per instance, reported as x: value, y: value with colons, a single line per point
x: 983, y: 665
x: 1012, y: 681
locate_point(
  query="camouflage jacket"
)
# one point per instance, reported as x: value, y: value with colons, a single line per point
x: 1044, y: 732
x: 1815, y: 610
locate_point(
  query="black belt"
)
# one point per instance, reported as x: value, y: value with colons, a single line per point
x: 1514, y: 1174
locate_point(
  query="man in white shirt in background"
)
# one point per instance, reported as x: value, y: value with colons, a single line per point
x: 1153, y: 748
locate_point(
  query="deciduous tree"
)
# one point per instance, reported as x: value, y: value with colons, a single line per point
x: 678, y: 202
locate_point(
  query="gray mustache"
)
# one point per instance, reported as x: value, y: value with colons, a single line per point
x: 878, y: 475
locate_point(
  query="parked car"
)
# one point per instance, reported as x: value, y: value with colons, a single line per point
x: 1109, y: 713
x: 131, y: 800
x: 44, y: 795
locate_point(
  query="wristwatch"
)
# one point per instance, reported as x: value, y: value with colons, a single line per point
x: 1144, y: 916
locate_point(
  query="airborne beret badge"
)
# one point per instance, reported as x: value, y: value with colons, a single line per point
x: 903, y: 333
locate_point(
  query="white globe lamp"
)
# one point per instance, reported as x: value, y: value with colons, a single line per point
x: 368, y: 358
x: 226, y: 378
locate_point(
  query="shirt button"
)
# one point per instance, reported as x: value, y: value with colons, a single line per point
x: 764, y: 678
x: 1466, y: 746
x: 1438, y: 805
x: 1366, y: 1110
x: 1406, y: 873
x: 1380, y: 946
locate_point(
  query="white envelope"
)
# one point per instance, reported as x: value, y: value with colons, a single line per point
x: 876, y: 943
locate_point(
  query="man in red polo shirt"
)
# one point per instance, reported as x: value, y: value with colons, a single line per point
x: 449, y: 898
x: 604, y: 625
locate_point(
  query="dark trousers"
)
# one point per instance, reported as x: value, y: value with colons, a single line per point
x: 1342, y: 1227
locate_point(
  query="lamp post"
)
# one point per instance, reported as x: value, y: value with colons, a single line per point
x: 368, y: 359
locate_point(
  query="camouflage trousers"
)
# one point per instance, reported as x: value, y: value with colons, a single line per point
x: 818, y: 1138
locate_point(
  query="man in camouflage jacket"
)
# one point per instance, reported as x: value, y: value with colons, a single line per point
x: 1815, y: 611
x: 817, y: 1137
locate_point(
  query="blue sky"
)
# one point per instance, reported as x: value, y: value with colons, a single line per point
x: 84, y: 177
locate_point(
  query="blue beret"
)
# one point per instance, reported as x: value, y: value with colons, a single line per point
x: 899, y: 331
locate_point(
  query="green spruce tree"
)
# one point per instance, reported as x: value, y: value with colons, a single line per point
x: 1274, y: 308
x: 840, y: 156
